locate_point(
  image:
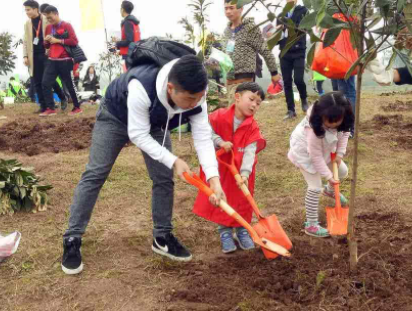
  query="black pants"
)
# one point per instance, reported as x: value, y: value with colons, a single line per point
x: 335, y: 86
x: 40, y: 63
x: 319, y: 87
x: 405, y: 76
x: 63, y: 69
x: 295, y: 65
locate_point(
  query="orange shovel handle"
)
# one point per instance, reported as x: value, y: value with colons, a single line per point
x: 338, y: 204
x: 233, y: 169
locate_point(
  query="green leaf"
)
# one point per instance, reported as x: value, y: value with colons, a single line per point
x: 307, y: 4
x: 311, y: 55
x: 370, y: 42
x: 273, y: 40
x: 291, y: 42
x: 288, y: 7
x: 400, y: 5
x: 374, y: 22
x: 309, y: 21
x: 353, y: 67
x: 391, y: 61
x: 313, y: 37
x: 321, y: 15
x: 242, y: 3
x: 331, y: 36
x: 271, y: 16
x: 382, y: 3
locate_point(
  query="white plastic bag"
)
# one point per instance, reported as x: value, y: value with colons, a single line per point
x: 9, y: 244
x: 224, y: 60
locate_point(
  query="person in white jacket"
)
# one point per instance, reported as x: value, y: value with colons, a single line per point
x: 143, y: 105
x: 324, y: 130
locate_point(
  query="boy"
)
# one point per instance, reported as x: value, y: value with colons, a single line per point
x: 142, y: 105
x: 235, y: 129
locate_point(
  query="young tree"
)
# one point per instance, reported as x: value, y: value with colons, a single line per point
x: 111, y: 64
x: 7, y: 55
x: 190, y: 31
x: 361, y: 19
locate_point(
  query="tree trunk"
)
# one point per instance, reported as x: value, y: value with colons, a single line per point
x: 353, y: 245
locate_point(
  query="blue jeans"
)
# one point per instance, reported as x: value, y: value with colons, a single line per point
x: 347, y: 87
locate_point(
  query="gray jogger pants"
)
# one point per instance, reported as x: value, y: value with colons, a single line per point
x: 109, y: 137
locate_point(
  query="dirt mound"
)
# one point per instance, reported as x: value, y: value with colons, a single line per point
x: 392, y: 128
x: 398, y: 106
x: 316, y: 275
x: 33, y: 137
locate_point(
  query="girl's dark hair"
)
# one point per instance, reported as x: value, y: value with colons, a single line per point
x: 332, y: 106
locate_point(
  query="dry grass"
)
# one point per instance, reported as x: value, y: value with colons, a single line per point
x: 121, y: 273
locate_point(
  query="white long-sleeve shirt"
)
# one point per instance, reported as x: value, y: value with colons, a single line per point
x: 138, y: 105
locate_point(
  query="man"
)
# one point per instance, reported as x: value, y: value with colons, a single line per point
x: 34, y: 52
x: 293, y: 62
x: 142, y: 105
x: 58, y: 35
x: 130, y: 29
x: 242, y: 40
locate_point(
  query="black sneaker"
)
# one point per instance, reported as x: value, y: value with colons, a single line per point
x: 289, y: 115
x: 170, y: 247
x: 63, y: 105
x: 72, y: 258
x: 305, y: 105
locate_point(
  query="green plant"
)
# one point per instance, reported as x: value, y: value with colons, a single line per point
x: 20, y: 189
x: 7, y: 55
x: 110, y: 64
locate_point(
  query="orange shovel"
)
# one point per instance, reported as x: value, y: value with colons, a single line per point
x: 266, y: 244
x: 268, y: 227
x: 337, y: 217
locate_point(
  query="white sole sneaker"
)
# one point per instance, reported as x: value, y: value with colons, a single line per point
x: 240, y: 244
x: 160, y: 252
x: 73, y: 271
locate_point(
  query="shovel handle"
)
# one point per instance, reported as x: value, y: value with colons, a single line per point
x: 233, y: 169
x: 336, y: 186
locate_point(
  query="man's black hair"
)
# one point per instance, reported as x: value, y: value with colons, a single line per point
x: 51, y: 9
x: 127, y: 6
x: 252, y: 87
x: 12, y: 78
x: 31, y: 3
x: 43, y: 7
x: 188, y: 74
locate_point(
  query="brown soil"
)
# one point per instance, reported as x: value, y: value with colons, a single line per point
x: 316, y: 275
x: 392, y: 128
x: 398, y: 105
x: 33, y: 137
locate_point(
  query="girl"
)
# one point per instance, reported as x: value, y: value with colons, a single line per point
x: 325, y: 129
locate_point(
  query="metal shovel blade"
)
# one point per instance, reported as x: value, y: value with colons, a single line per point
x: 270, y: 228
x: 337, y: 220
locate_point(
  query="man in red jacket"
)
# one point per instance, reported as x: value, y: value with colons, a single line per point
x: 130, y: 29
x: 58, y: 35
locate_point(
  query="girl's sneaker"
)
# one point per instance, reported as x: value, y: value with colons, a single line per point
x: 244, y: 239
x: 316, y: 230
x: 330, y: 194
x: 226, y: 238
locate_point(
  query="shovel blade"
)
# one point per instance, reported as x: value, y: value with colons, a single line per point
x: 270, y: 228
x: 337, y: 221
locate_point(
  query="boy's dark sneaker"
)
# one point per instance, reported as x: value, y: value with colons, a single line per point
x: 170, y: 247
x: 72, y: 258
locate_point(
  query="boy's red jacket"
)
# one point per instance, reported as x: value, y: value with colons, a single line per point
x: 247, y: 133
x: 57, y: 51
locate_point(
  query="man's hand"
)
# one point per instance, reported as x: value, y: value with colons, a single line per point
x: 227, y: 145
x: 217, y: 190
x: 55, y: 41
x: 48, y: 38
x: 181, y: 167
x: 276, y: 79
x: 26, y: 61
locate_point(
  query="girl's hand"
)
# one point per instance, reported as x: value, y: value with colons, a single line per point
x: 338, y: 160
x: 334, y: 182
x: 227, y: 145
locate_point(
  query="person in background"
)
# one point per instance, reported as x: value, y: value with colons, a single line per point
x: 34, y: 53
x: 60, y: 63
x: 293, y: 62
x: 130, y: 29
x: 242, y: 41
x: 91, y: 84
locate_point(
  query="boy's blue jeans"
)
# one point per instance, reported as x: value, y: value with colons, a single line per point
x: 348, y: 88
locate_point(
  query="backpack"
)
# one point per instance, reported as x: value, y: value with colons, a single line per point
x: 156, y: 50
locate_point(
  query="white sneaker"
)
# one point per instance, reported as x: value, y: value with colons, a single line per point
x: 380, y: 75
